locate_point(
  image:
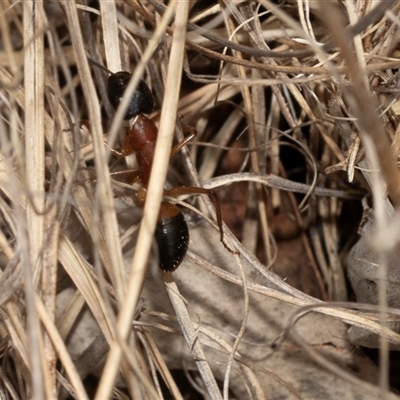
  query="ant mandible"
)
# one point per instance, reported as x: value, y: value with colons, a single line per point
x: 172, y: 232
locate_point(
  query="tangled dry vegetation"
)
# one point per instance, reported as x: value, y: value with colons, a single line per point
x: 296, y: 109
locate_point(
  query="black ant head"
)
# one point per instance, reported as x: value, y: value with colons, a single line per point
x: 142, y: 101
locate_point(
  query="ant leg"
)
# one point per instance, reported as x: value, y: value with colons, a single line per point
x: 194, y: 190
x: 132, y: 174
x: 192, y: 133
x: 115, y: 152
x: 126, y: 148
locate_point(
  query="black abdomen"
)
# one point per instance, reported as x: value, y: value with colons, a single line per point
x: 172, y: 236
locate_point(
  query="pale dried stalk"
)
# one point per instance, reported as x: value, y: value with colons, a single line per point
x: 109, y: 22
x: 378, y: 392
x: 43, y: 379
x: 59, y: 344
x: 279, y: 183
x: 294, y: 297
x: 72, y: 263
x: 68, y: 316
x: 246, y: 367
x: 380, y: 155
x: 155, y: 190
x: 190, y: 333
x: 255, y: 137
x: 104, y: 200
x: 162, y: 367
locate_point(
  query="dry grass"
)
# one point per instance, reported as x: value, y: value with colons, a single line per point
x: 257, y: 79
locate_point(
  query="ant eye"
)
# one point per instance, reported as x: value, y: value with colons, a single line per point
x: 142, y: 100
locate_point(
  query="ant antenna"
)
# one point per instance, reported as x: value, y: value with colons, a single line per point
x: 98, y: 65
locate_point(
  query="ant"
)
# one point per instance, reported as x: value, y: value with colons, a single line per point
x: 172, y: 232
